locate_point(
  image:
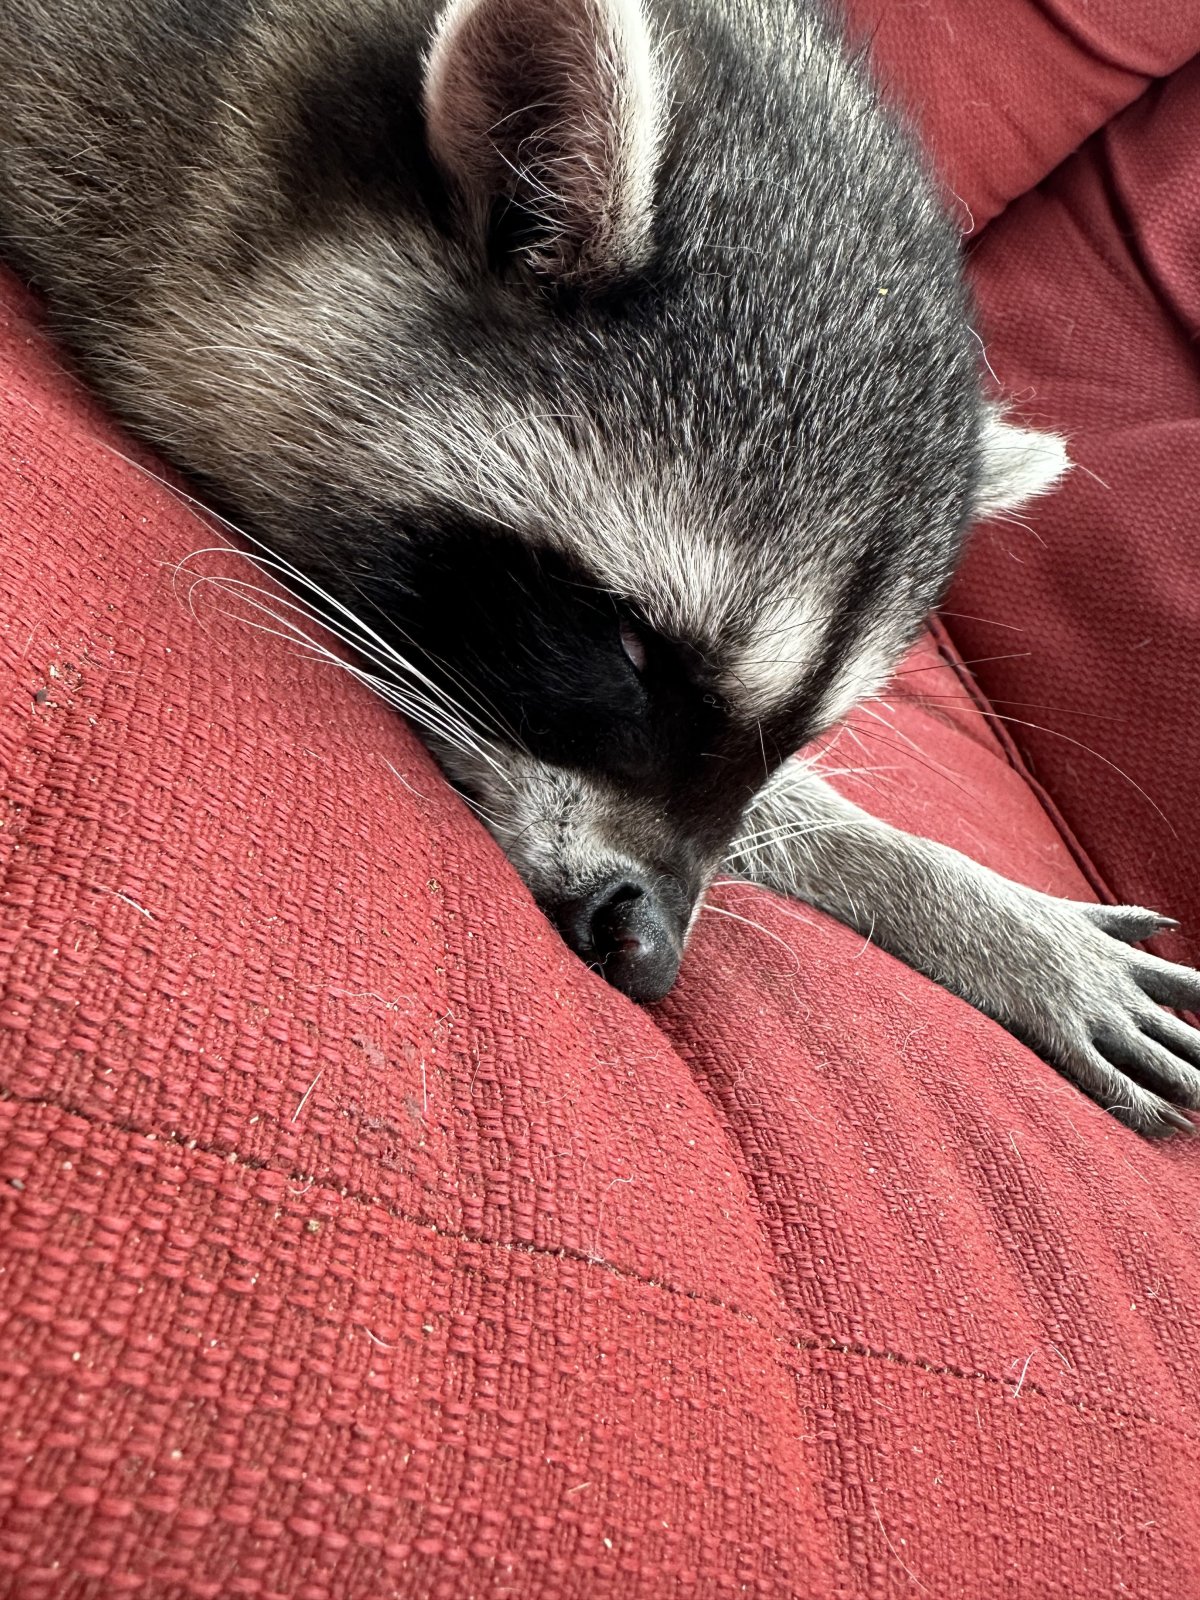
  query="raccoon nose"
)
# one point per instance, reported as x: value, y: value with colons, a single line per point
x: 623, y: 929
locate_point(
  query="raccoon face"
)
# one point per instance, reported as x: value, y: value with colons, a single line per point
x: 608, y: 359
x: 719, y: 434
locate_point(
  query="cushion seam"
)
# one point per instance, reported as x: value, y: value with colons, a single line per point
x: 1075, y: 1402
x: 360, y: 1198
x: 1011, y: 751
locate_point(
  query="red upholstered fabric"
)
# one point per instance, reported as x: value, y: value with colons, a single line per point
x: 1090, y: 299
x: 324, y: 1267
x: 356, y: 1243
x: 1090, y: 307
x: 1003, y: 90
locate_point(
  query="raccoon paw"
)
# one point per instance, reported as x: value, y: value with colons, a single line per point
x: 1098, y: 1017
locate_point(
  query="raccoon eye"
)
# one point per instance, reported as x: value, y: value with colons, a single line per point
x: 634, y: 647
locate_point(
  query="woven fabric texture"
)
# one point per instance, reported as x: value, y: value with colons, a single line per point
x: 1003, y: 90
x: 356, y: 1243
x: 323, y: 1271
x: 1090, y: 298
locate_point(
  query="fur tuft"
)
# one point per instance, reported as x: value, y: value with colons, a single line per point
x: 1017, y: 464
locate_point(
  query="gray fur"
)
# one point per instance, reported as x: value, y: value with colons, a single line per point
x: 659, y: 294
x: 1057, y: 973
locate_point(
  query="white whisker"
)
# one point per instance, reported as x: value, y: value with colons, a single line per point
x: 749, y: 922
x: 349, y: 627
x: 781, y: 833
x: 440, y: 720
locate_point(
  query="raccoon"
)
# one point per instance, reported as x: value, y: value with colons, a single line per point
x: 608, y: 365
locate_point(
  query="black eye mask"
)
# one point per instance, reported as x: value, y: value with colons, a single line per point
x: 568, y: 669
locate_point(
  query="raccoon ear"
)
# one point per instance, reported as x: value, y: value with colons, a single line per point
x: 550, y: 109
x: 1016, y: 464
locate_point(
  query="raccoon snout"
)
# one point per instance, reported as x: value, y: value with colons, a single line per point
x: 624, y: 930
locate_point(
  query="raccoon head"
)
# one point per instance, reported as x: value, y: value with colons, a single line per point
x: 686, y: 428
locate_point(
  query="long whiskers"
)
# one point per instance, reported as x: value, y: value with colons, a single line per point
x: 398, y: 680
x: 438, y: 719
x: 292, y: 575
x: 749, y: 922
x: 781, y: 833
x: 986, y: 712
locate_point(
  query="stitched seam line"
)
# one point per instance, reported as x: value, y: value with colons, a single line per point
x: 375, y: 1203
x: 1085, y: 1404
x: 786, y: 1345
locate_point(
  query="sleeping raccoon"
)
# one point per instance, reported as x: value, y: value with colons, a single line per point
x: 607, y: 364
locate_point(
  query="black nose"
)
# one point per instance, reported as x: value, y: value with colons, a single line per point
x: 624, y: 930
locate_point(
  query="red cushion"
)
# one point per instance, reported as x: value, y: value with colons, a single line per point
x: 357, y: 1241
x: 1003, y: 90
x: 1090, y: 307
x: 325, y: 1263
x: 1091, y: 303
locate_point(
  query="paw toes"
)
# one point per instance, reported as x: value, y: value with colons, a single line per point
x: 1142, y: 1084
x: 1168, y: 984
x: 1177, y: 1037
x: 1131, y: 924
x: 1130, y: 1095
x: 1154, y: 1067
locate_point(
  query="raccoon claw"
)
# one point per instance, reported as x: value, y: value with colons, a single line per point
x: 1131, y: 924
x: 1062, y: 976
x: 1152, y: 1117
x: 1166, y: 983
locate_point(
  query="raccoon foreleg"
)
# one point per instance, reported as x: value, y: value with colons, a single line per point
x: 1059, y: 974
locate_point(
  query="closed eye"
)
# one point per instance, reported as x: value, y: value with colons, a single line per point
x: 634, y: 645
